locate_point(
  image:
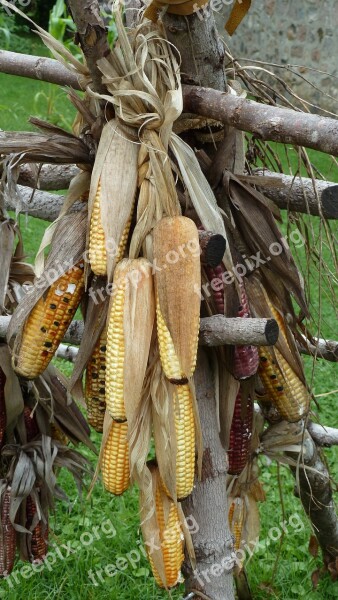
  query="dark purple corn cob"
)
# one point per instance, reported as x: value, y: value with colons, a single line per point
x: 7, y: 536
x: 240, y: 435
x: 246, y: 358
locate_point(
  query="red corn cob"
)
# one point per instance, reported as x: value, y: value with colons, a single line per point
x: 32, y: 429
x: 246, y: 358
x: 240, y: 435
x: 7, y: 537
x: 3, y: 417
x: 215, y: 275
x: 39, y: 540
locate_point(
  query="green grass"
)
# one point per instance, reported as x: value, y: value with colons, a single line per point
x: 68, y: 578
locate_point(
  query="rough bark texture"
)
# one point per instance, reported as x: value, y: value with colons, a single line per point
x: 208, y: 502
x: 50, y: 177
x: 41, y: 205
x: 36, y: 67
x: 39, y: 147
x: 265, y: 122
x: 92, y: 36
x: 298, y: 194
x: 218, y: 330
x: 315, y: 492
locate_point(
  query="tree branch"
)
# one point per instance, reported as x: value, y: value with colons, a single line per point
x: 323, y: 435
x: 67, y: 352
x: 327, y: 349
x: 265, y: 122
x: 297, y: 193
x: 50, y: 177
x: 41, y: 148
x: 38, y: 204
x: 315, y: 491
x: 36, y: 67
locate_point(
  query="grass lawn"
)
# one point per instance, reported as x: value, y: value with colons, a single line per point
x: 91, y: 534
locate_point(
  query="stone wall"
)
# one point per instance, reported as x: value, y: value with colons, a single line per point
x: 295, y: 32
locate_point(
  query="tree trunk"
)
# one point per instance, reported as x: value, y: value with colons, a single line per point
x: 202, y: 60
x: 208, y: 502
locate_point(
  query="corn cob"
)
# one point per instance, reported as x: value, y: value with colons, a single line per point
x: 236, y: 521
x: 171, y: 539
x: 215, y: 277
x: 240, y: 435
x: 176, y: 285
x: 48, y: 322
x: 39, y: 539
x: 169, y: 359
x: 58, y: 435
x: 115, y: 356
x: 185, y: 441
x: 115, y: 460
x: 7, y: 536
x: 95, y: 386
x: 97, y: 240
x: 3, y: 415
x: 284, y: 388
x: 246, y: 359
x: 32, y: 429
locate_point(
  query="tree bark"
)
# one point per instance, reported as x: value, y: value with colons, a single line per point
x: 327, y: 349
x: 315, y: 492
x: 208, y: 501
x: 323, y: 435
x: 92, y: 34
x: 41, y: 148
x: 265, y: 122
x: 298, y: 193
x: 67, y: 352
x: 38, y: 204
x: 50, y: 177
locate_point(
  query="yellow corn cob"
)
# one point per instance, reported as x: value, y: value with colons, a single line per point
x: 97, y: 240
x: 284, y: 388
x: 115, y: 460
x: 236, y: 521
x: 115, y: 357
x: 169, y: 359
x: 58, y: 435
x: 95, y: 390
x: 48, y: 322
x: 171, y: 539
x: 176, y: 285
x: 185, y: 441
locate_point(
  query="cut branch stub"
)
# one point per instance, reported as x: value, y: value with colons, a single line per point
x: 219, y: 330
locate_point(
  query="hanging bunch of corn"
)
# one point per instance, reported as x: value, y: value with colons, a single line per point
x: 7, y: 532
x: 240, y: 434
x: 95, y: 385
